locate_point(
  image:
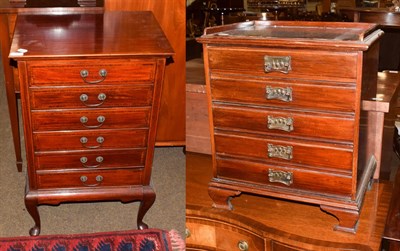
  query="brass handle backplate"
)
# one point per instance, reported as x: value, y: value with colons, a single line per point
x: 281, y: 152
x: 243, y: 245
x: 85, y: 73
x: 277, y: 63
x: 280, y: 123
x: 279, y: 93
x: 280, y: 176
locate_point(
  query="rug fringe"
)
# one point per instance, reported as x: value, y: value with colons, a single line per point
x: 177, y: 242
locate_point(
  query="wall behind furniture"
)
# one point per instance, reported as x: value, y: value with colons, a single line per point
x: 171, y: 16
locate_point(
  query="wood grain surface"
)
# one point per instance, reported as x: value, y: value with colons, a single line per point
x: 171, y: 16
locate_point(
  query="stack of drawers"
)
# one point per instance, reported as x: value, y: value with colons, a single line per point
x: 89, y: 131
x: 278, y: 125
x: 286, y: 115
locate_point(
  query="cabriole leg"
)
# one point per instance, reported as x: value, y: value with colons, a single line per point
x: 31, y: 205
x: 149, y: 196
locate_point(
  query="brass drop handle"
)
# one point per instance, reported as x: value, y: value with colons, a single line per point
x: 277, y: 64
x: 243, y: 245
x: 280, y: 123
x: 84, y: 179
x: 84, y: 160
x: 84, y: 98
x: 85, y: 73
x: 99, y: 140
x: 280, y: 176
x: 99, y: 119
x: 281, y: 152
x: 278, y: 93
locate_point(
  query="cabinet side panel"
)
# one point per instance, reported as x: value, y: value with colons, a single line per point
x: 23, y: 72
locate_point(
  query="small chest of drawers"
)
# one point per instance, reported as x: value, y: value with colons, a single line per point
x: 285, y: 101
x: 90, y: 90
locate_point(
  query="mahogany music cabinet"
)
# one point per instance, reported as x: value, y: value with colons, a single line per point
x: 90, y: 92
x: 285, y: 112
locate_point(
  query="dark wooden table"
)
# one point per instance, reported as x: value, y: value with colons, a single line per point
x: 382, y: 109
x: 381, y: 16
x: 389, y: 22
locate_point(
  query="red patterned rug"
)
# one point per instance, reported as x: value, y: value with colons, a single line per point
x: 134, y: 240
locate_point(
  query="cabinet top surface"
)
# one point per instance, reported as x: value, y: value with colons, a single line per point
x: 263, y: 32
x: 113, y: 33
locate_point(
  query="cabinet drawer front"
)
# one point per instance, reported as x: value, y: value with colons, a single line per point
x: 91, y: 159
x: 118, y: 96
x: 301, y: 179
x: 276, y: 246
x: 285, y: 122
x: 306, y: 95
x: 304, y: 64
x: 90, y: 119
x: 221, y: 236
x: 61, y: 73
x: 90, y: 139
x: 286, y: 152
x: 104, y: 178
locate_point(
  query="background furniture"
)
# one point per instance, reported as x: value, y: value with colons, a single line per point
x: 170, y: 14
x: 90, y: 106
x: 382, y: 16
x: 389, y: 22
x: 383, y: 110
x: 52, y: 3
x: 197, y: 126
x: 277, y: 126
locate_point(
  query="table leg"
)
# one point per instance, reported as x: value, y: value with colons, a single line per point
x: 10, y: 88
x: 374, y: 135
